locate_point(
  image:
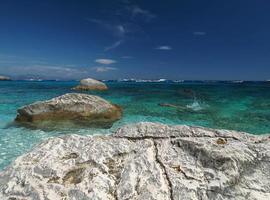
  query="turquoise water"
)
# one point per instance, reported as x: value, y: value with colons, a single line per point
x: 238, y: 106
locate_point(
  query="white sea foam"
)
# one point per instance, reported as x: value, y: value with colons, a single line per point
x: 196, y: 106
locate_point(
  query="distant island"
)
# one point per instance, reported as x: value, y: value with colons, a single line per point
x: 5, y: 78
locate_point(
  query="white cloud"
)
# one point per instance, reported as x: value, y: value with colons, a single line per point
x: 199, y: 33
x: 105, y: 61
x: 114, y: 45
x: 104, y: 69
x: 164, y: 48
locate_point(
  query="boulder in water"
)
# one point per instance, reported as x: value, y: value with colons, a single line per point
x: 74, y: 107
x: 91, y: 84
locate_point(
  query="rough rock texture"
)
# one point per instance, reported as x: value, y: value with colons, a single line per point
x: 91, y: 84
x: 143, y: 161
x: 73, y: 106
x: 4, y: 78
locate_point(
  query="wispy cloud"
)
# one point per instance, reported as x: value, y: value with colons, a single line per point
x: 105, y: 61
x: 104, y: 69
x: 127, y: 57
x: 164, y: 48
x: 8, y: 59
x: 32, y: 68
x: 137, y: 12
x: 121, y: 30
x: 45, y: 71
x: 114, y: 45
x: 199, y: 33
x: 117, y: 30
x: 123, y: 23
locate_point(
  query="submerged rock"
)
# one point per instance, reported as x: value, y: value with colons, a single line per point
x: 168, y: 105
x: 81, y: 108
x: 143, y: 161
x: 4, y: 78
x: 91, y: 84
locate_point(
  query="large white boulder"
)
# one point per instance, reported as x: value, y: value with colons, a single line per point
x: 143, y: 161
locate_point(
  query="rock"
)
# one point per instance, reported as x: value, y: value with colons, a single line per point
x: 143, y: 161
x: 74, y: 107
x: 4, y: 78
x: 168, y: 105
x: 91, y: 84
x: 179, y: 108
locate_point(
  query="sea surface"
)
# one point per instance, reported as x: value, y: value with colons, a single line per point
x: 242, y: 106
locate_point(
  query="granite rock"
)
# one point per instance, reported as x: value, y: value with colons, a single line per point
x: 72, y: 106
x: 143, y: 161
x: 91, y: 84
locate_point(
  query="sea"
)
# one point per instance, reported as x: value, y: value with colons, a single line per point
x: 234, y: 105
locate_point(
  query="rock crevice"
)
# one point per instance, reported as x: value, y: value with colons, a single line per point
x: 163, y: 167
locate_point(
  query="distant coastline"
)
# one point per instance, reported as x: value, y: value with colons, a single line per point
x: 132, y: 80
x: 5, y: 78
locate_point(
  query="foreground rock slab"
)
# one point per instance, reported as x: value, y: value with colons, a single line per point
x: 74, y: 107
x: 143, y: 161
x: 91, y: 84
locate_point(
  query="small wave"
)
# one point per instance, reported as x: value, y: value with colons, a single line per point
x: 238, y: 81
x: 195, y: 106
x: 161, y: 80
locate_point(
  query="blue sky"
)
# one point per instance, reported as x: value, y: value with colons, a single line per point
x: 174, y: 39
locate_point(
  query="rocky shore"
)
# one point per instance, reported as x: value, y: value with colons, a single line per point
x: 143, y: 161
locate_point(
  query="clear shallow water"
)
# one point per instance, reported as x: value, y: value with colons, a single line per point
x: 243, y: 107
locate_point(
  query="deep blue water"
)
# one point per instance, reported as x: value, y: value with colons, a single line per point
x: 239, y: 106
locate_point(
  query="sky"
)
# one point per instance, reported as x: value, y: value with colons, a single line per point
x: 147, y: 39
